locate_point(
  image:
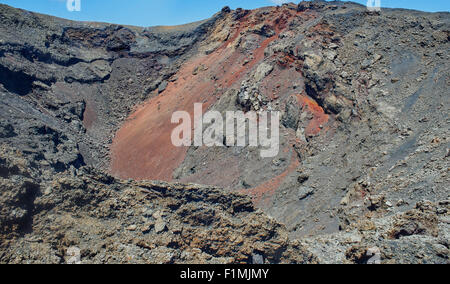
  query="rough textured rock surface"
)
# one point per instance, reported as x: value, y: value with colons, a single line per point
x: 112, y: 221
x: 362, y: 172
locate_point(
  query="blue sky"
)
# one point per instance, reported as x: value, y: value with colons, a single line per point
x: 175, y: 12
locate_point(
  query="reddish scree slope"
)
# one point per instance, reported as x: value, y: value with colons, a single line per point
x: 142, y: 148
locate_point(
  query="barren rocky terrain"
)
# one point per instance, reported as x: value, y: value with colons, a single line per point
x: 88, y: 173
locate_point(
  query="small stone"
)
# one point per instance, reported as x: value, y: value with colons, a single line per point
x: 147, y: 212
x: 333, y: 46
x: 48, y: 191
x: 377, y: 57
x: 132, y: 228
x: 73, y: 255
x: 376, y: 202
x: 199, y: 69
x: 195, y: 71
x: 313, y: 60
x: 375, y: 255
x: 366, y: 63
x: 162, y: 87
x: 441, y: 211
x: 257, y: 259
x: 157, y: 215
x: 41, y: 85
x: 330, y: 55
x: 305, y: 192
x: 262, y: 71
x: 441, y: 250
x: 146, y: 228
x: 302, y: 178
x: 160, y: 226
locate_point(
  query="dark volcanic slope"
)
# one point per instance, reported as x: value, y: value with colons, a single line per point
x: 362, y: 173
x: 82, y: 79
x: 358, y: 92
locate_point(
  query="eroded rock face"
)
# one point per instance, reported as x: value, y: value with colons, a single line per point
x: 90, y: 217
x: 361, y: 175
